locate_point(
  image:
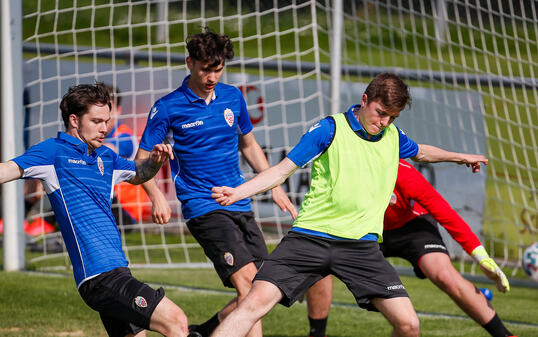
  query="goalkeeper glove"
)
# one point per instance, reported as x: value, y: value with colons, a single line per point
x: 490, y: 268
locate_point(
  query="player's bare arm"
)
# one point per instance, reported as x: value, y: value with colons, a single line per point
x: 147, y: 168
x: 9, y: 171
x: 161, y: 211
x: 433, y: 154
x: 264, y: 181
x: 256, y: 158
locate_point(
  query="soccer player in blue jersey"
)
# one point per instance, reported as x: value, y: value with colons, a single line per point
x: 207, y: 122
x: 355, y: 162
x: 79, y: 175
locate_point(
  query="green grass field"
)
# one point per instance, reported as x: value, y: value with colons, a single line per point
x: 49, y: 305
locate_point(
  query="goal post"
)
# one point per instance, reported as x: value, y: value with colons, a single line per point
x: 11, y: 131
x: 471, y: 66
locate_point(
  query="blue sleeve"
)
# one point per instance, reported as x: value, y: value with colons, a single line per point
x: 313, y: 143
x: 124, y: 143
x: 123, y: 164
x: 123, y: 169
x: 244, y: 123
x: 40, y: 154
x: 156, y: 127
x: 408, y: 147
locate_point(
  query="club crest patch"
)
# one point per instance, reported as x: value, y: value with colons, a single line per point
x: 229, y: 258
x: 100, y: 165
x: 393, y: 199
x: 229, y: 116
x: 141, y: 302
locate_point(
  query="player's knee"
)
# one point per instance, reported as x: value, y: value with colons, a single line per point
x: 256, y: 303
x: 172, y: 320
x: 243, y: 284
x: 410, y: 327
x: 177, y: 317
x: 242, y: 291
x: 446, y: 281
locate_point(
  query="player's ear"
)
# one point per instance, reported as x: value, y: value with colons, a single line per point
x: 190, y: 63
x: 74, y: 121
x: 364, y: 100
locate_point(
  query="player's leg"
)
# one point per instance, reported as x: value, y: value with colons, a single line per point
x: 242, y: 281
x: 420, y: 242
x: 235, y: 245
x: 318, y: 300
x: 128, y: 306
x: 374, y: 283
x: 262, y: 297
x: 168, y: 319
x: 438, y: 268
x: 286, y: 274
x: 401, y: 315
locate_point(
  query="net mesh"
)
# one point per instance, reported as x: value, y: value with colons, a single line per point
x: 471, y: 66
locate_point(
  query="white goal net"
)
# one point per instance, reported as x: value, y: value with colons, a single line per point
x: 471, y: 66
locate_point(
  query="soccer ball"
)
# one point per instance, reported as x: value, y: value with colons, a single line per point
x: 530, y: 261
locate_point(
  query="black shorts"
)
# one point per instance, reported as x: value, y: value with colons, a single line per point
x: 124, y: 303
x: 300, y: 260
x: 230, y: 240
x: 416, y: 238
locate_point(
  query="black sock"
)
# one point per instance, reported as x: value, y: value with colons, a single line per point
x: 317, y: 327
x: 496, y: 328
x: 207, y: 328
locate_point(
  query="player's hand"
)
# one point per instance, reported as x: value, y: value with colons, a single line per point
x: 161, y: 211
x: 474, y: 161
x: 491, y: 269
x: 224, y: 195
x: 161, y: 153
x: 281, y: 199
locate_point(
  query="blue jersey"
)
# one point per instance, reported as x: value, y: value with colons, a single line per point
x: 205, y: 142
x: 80, y: 188
x: 320, y: 135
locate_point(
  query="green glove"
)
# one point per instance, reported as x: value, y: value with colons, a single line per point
x: 490, y: 268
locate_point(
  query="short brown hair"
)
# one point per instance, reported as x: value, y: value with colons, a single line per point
x: 80, y: 97
x: 389, y: 90
x: 210, y: 47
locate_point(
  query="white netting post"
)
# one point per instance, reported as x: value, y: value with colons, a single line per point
x: 12, y: 126
x: 336, y: 54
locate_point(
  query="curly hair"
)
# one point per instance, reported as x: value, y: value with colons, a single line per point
x: 210, y: 47
x: 389, y: 90
x: 80, y: 97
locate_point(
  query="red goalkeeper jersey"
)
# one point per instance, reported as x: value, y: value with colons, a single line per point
x: 414, y: 196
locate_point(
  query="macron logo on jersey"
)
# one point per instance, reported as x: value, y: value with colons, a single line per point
x: 314, y: 127
x: 396, y: 287
x: 433, y: 246
x: 153, y: 112
x: 76, y: 161
x: 191, y: 125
